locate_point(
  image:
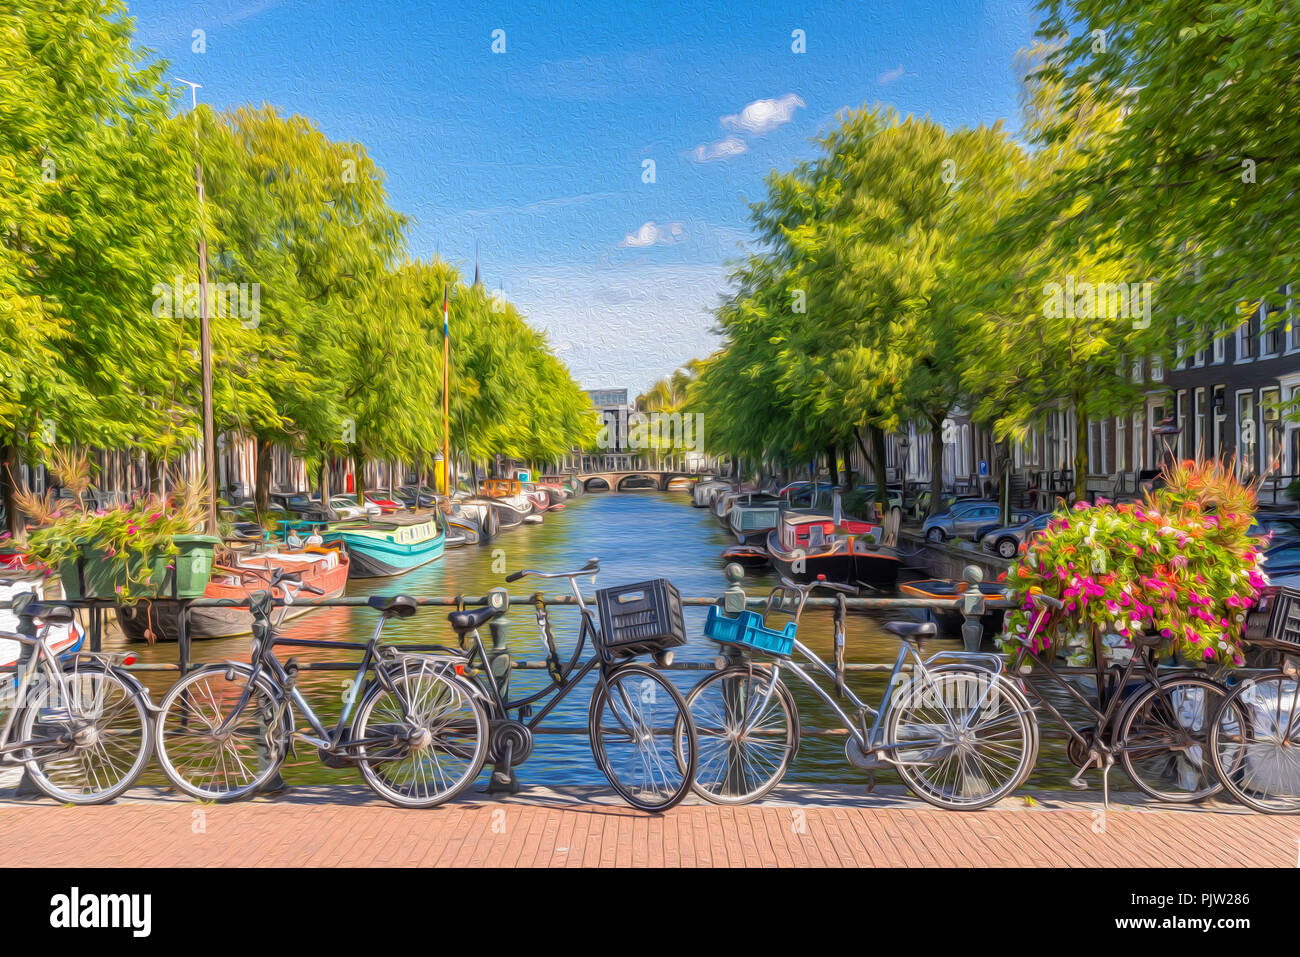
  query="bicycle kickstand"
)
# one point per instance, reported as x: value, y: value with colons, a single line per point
x: 503, y: 779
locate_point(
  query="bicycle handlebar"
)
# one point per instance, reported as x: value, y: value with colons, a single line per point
x: 1038, y: 598
x: 807, y: 587
x: 591, y: 568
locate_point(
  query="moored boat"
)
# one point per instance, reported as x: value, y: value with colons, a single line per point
x: 392, y: 545
x: 804, y: 547
x: 752, y: 516
x: 508, y: 501
x: 950, y: 622
x: 746, y: 556
x: 322, y: 568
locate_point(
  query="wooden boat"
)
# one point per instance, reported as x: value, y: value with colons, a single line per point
x: 752, y: 516
x: 556, y: 492
x: 320, y: 567
x: 746, y: 556
x: 543, y: 500
x: 705, y: 490
x: 950, y: 622
x: 391, y: 545
x: 472, y: 514
x: 803, y: 547
x: 64, y: 639
x: 508, y: 501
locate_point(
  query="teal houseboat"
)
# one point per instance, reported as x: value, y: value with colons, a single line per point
x: 390, y: 545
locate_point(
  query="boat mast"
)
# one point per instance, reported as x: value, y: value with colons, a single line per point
x: 205, y: 334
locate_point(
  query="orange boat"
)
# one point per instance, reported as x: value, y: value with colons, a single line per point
x: 322, y: 568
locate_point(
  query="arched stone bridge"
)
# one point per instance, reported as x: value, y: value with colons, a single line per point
x: 614, y: 480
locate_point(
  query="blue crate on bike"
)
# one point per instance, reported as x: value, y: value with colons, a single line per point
x: 640, y: 619
x: 747, y: 628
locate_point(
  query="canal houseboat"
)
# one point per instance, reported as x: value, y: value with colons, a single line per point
x: 752, y: 516
x: 392, y: 545
x: 950, y: 621
x: 804, y: 547
x: 506, y: 498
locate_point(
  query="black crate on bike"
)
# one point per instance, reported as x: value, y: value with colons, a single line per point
x: 1284, y: 620
x: 641, y: 619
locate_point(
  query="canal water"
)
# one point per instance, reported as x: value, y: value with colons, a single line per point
x: 637, y: 536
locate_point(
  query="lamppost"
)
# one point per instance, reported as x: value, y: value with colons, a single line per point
x: 904, y: 444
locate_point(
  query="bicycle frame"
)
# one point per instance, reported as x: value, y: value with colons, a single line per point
x: 45, y: 660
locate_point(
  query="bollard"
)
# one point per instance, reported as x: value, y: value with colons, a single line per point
x: 972, y: 607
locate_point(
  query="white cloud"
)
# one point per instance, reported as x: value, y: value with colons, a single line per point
x: 889, y: 76
x: 650, y: 233
x: 763, y: 116
x: 722, y: 149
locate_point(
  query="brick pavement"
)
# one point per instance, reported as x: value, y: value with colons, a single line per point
x: 346, y: 826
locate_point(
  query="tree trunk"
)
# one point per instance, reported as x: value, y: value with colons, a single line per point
x: 1080, y: 452
x: 262, y: 478
x: 9, y: 472
x: 1003, y: 452
x: 877, y: 458
x: 936, y: 465
x: 832, y: 465
x: 848, y: 467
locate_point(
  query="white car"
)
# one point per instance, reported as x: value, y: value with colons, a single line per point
x: 346, y: 507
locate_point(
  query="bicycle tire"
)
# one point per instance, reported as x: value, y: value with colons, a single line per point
x: 1149, y: 760
x: 462, y: 693
x: 730, y: 744
x: 1247, y: 759
x: 913, y: 715
x: 270, y: 744
x: 133, y: 706
x: 673, y: 751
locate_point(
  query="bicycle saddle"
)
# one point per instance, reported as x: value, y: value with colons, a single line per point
x: 912, y: 629
x: 394, y: 606
x: 48, y: 613
x: 466, y: 621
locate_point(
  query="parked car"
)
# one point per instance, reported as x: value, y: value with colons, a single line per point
x: 423, y: 497
x: 1008, y: 539
x: 1283, y: 525
x: 300, y: 504
x: 347, y: 508
x: 386, y: 504
x: 1282, y: 563
x: 963, y: 519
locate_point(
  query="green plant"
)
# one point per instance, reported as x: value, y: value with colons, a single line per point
x: 1180, y: 563
x: 130, y: 537
x: 1293, y: 490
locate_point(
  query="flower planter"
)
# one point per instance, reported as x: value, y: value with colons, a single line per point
x: 103, y: 577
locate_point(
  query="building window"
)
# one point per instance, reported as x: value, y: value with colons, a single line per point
x: 1140, y: 440
x: 1270, y: 421
x: 1184, y: 424
x: 1121, y: 443
x: 1220, y: 347
x: 1157, y: 369
x: 1247, y: 337
x: 1247, y: 433
x: 1271, y: 332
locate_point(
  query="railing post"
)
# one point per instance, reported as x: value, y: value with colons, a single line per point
x: 972, y: 607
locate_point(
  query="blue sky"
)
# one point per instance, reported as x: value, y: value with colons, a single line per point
x: 538, y: 153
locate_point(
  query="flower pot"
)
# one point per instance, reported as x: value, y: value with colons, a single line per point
x: 103, y: 577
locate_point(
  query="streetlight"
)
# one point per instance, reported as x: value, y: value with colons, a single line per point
x: 904, y: 443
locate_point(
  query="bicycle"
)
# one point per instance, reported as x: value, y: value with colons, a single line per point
x: 956, y: 731
x: 640, y: 732
x: 84, y: 726
x: 1160, y: 732
x: 1255, y: 738
x: 418, y: 737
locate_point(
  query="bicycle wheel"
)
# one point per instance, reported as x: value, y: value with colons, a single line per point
x: 962, y: 739
x: 1163, y: 738
x: 430, y: 733
x: 103, y: 736
x: 745, y: 745
x: 1255, y: 743
x: 642, y: 737
x: 215, y: 765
